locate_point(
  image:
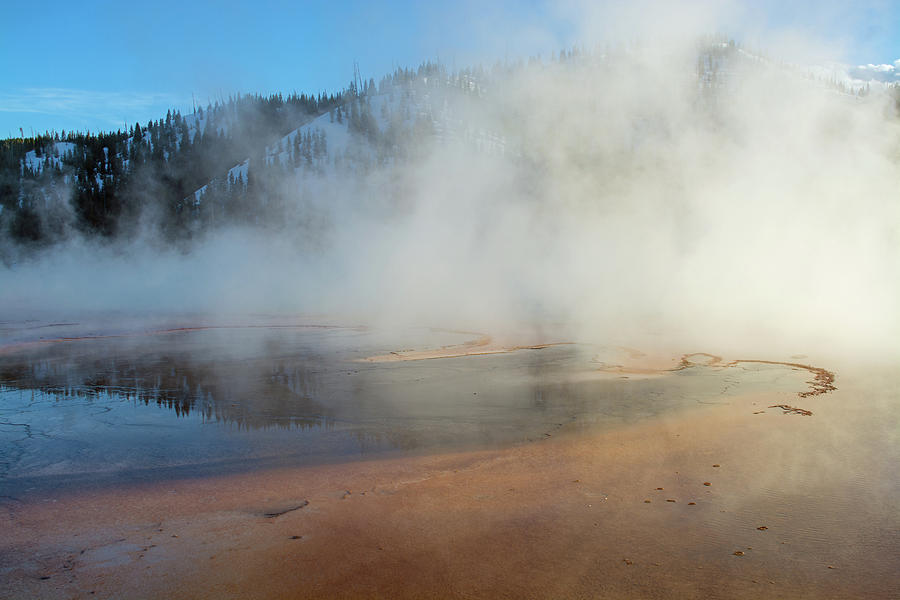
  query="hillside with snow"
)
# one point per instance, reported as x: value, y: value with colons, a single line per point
x: 282, y: 161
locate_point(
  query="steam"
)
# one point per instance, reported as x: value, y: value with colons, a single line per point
x: 628, y: 200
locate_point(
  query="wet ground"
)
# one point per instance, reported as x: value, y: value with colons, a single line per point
x: 188, y: 403
x: 273, y: 462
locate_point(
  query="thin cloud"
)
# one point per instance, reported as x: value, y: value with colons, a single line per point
x: 883, y: 72
x: 110, y: 109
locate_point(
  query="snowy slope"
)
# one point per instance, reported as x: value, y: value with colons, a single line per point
x: 51, y: 158
x: 425, y: 102
x: 440, y: 104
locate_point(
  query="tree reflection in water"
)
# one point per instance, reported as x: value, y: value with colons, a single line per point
x: 251, y: 392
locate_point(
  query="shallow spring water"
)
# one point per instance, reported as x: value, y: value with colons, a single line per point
x: 208, y: 401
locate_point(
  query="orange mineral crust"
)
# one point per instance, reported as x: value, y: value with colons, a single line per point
x: 786, y: 515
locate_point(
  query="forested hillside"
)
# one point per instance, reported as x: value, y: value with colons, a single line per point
x: 256, y: 160
x: 101, y: 183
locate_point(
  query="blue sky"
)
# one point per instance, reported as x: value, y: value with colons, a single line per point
x: 97, y: 65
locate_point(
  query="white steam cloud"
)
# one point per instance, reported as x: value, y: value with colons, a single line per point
x: 642, y: 189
